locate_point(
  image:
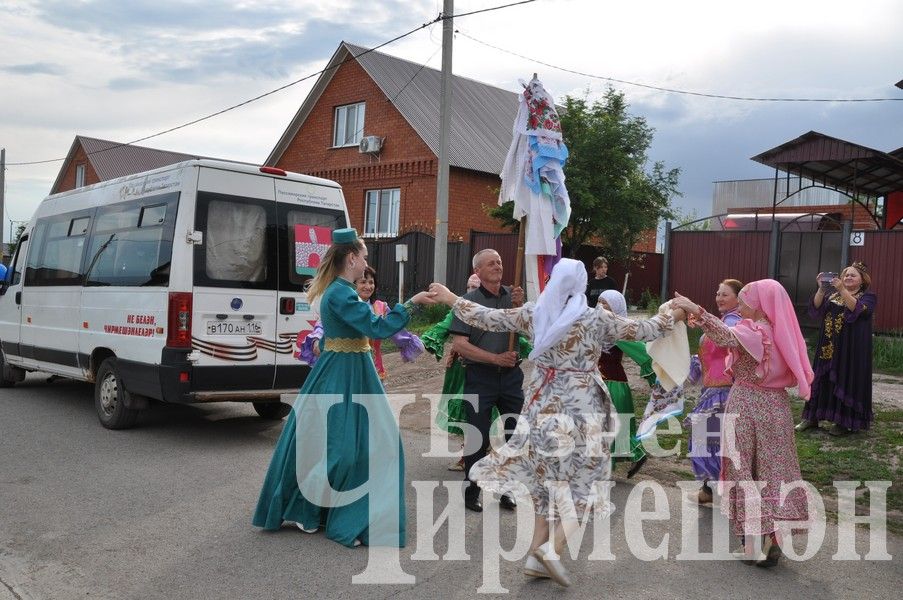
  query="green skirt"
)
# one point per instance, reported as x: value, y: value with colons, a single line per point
x: 622, y: 399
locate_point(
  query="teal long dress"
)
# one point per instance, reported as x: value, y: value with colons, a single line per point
x: 324, y: 416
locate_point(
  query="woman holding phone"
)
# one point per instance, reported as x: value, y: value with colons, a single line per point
x: 842, y: 390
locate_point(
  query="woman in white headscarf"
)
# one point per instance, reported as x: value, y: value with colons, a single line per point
x: 559, y: 453
x: 611, y: 365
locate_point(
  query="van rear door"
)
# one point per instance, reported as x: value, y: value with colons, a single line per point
x: 307, y: 213
x: 235, y: 281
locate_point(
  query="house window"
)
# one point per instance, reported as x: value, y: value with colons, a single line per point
x: 79, y: 176
x: 349, y: 125
x: 381, y: 217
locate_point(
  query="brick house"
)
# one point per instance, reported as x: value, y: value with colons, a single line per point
x: 392, y: 190
x: 91, y: 160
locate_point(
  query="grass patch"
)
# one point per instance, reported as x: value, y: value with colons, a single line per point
x: 873, y: 455
x: 887, y: 354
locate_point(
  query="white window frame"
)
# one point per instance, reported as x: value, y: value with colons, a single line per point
x: 373, y: 227
x: 80, y: 175
x: 340, y: 123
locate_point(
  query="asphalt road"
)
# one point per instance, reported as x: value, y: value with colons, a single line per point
x: 163, y: 511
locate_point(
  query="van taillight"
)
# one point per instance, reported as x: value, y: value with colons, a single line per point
x: 179, y: 335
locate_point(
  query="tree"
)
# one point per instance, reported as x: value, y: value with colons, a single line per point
x: 14, y: 244
x: 613, y: 197
x: 691, y: 221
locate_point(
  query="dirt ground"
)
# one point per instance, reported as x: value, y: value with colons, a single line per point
x: 425, y: 376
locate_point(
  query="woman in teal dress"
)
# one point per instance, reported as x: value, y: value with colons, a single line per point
x: 353, y: 490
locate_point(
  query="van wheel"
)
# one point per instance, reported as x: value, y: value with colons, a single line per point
x: 7, y: 378
x: 272, y: 410
x: 110, y: 398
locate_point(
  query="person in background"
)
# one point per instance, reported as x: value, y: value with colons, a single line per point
x: 612, y: 368
x: 409, y: 345
x: 842, y: 390
x: 708, y: 365
x: 600, y: 281
x: 767, y: 356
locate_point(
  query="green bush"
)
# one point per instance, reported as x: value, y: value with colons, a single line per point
x: 649, y: 301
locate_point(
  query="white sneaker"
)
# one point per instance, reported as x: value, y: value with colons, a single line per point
x: 553, y: 567
x: 534, y: 568
x: 301, y: 527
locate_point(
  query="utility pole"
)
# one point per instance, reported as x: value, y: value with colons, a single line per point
x: 440, y: 254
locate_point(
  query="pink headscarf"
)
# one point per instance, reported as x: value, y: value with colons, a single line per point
x: 769, y: 296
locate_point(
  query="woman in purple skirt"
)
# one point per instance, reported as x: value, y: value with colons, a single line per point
x: 767, y: 356
x: 842, y: 390
x: 709, y: 365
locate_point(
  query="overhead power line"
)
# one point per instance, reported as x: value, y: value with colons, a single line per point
x: 672, y: 90
x: 438, y: 19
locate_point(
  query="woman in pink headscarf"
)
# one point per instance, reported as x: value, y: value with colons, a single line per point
x: 767, y: 355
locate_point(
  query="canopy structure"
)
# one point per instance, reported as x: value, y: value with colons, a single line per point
x: 864, y: 174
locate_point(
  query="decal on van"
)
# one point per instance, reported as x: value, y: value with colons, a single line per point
x: 311, y: 243
x: 245, y: 352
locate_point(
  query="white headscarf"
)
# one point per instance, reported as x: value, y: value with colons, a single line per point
x: 561, y: 303
x: 616, y: 302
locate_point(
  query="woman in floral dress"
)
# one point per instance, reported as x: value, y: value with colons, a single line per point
x: 767, y: 355
x: 559, y: 452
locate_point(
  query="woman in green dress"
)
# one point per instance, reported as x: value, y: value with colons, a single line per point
x: 610, y: 364
x: 339, y: 463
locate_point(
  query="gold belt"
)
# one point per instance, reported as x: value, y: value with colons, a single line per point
x: 346, y: 345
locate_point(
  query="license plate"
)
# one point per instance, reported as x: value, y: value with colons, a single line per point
x: 234, y: 328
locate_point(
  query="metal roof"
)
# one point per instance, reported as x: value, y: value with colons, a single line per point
x: 837, y: 163
x: 482, y: 115
x: 115, y: 159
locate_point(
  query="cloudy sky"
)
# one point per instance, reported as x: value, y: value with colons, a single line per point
x: 121, y: 70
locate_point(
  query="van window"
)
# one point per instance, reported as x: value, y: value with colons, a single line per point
x: 124, y: 252
x: 57, y: 251
x: 308, y: 233
x: 238, y: 242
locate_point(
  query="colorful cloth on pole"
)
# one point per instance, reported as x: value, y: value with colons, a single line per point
x: 533, y: 174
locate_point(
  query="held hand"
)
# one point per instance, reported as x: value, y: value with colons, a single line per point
x: 685, y: 304
x: 441, y: 294
x: 423, y: 298
x: 680, y: 315
x: 838, y: 284
x: 517, y: 296
x: 818, y: 282
x: 506, y: 359
x: 316, y: 348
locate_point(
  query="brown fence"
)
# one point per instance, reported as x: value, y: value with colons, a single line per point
x: 699, y: 260
x: 418, y: 272
x: 882, y: 252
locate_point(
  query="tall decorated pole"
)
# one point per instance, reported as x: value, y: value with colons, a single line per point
x: 533, y: 178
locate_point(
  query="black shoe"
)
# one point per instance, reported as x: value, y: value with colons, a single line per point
x: 473, y: 503
x: 637, y: 466
x: 508, y: 502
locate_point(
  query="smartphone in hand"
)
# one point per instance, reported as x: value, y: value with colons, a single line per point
x: 825, y: 279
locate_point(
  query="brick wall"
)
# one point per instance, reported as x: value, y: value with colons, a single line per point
x: 68, y: 181
x: 405, y: 162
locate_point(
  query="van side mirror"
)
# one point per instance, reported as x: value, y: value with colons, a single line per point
x: 4, y: 279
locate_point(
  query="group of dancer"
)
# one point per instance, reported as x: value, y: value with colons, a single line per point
x: 750, y: 355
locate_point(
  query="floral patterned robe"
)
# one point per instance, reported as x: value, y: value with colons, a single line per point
x: 560, y: 450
